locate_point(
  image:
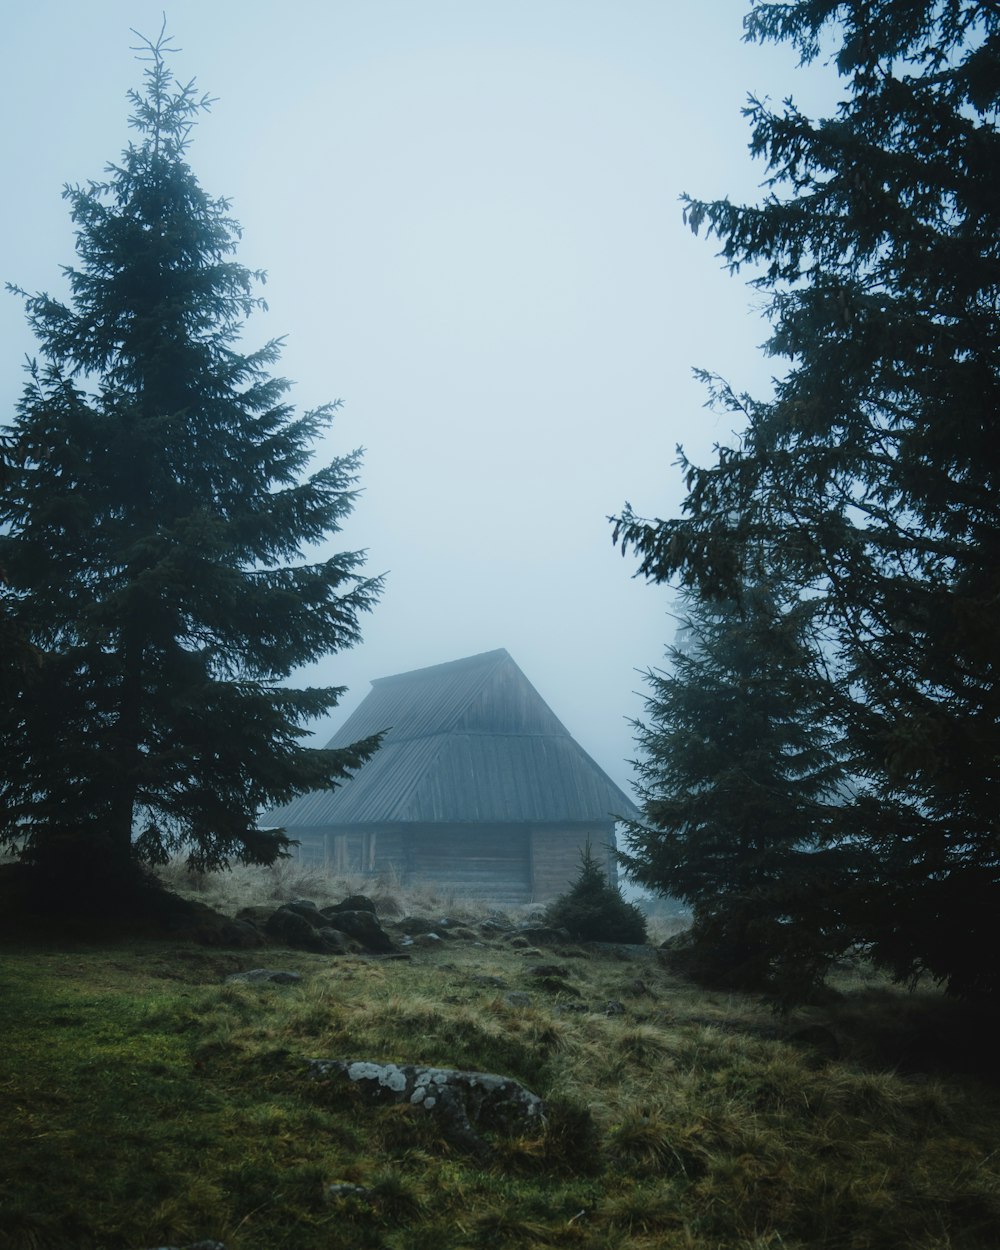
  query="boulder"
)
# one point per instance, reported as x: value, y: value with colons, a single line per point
x: 257, y: 915
x: 264, y: 976
x: 465, y: 1103
x: 290, y: 927
x: 235, y: 934
x: 364, y: 928
x: 354, y: 902
x: 413, y: 926
x: 337, y: 942
x: 306, y: 908
x: 341, y: 1191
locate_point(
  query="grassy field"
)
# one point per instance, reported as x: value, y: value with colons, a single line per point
x: 146, y: 1102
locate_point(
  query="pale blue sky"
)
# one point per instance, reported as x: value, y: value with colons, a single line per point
x: 468, y: 210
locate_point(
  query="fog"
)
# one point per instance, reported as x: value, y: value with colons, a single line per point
x: 468, y: 211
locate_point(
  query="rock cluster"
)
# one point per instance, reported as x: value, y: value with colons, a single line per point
x: 347, y: 928
x: 352, y: 927
x: 464, y: 1103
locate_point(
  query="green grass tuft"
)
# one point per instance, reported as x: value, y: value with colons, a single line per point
x: 146, y: 1102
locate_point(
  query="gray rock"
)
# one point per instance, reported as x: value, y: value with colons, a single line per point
x: 289, y: 926
x: 413, y: 926
x: 235, y: 934
x: 257, y: 915
x: 263, y: 976
x: 339, y: 1190
x: 337, y: 942
x: 304, y: 907
x: 465, y: 1103
x: 244, y: 934
x: 365, y: 928
x: 354, y: 902
x: 517, y: 998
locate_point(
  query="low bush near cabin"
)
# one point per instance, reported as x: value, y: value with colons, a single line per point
x: 593, y: 910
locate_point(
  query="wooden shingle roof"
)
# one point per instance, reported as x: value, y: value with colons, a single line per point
x: 470, y: 741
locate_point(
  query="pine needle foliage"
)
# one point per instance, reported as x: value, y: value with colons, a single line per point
x: 593, y: 910
x: 872, y: 477
x: 740, y: 786
x: 161, y: 530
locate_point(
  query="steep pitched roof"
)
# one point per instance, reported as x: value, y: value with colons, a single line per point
x: 470, y: 741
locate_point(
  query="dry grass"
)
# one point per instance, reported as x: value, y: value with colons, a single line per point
x: 249, y: 886
x: 147, y: 1102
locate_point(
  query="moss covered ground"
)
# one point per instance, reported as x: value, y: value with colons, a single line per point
x: 144, y: 1102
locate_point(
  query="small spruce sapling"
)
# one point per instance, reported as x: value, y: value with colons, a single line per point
x: 593, y: 910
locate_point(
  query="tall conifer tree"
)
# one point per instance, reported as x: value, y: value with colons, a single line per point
x: 157, y: 512
x: 872, y: 477
x: 740, y: 782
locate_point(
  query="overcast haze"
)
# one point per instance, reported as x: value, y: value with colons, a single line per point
x: 469, y: 216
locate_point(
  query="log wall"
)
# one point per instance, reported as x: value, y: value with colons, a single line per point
x: 556, y: 857
x: 502, y: 864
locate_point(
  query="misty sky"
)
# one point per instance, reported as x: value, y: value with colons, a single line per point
x: 468, y: 211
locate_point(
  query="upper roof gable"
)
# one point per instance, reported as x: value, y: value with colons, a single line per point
x: 466, y: 741
x: 484, y: 693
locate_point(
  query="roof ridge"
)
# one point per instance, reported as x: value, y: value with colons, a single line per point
x: 496, y: 656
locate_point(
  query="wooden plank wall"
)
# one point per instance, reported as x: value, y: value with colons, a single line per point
x: 497, y: 863
x: 556, y: 854
x: 488, y: 862
x: 365, y: 853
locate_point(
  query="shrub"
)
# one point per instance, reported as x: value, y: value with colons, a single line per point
x: 593, y: 910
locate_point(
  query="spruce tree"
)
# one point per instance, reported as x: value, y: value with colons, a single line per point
x: 161, y: 525
x: 742, y: 794
x: 872, y: 476
x: 593, y: 910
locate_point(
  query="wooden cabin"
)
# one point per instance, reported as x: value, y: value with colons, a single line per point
x: 477, y: 787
